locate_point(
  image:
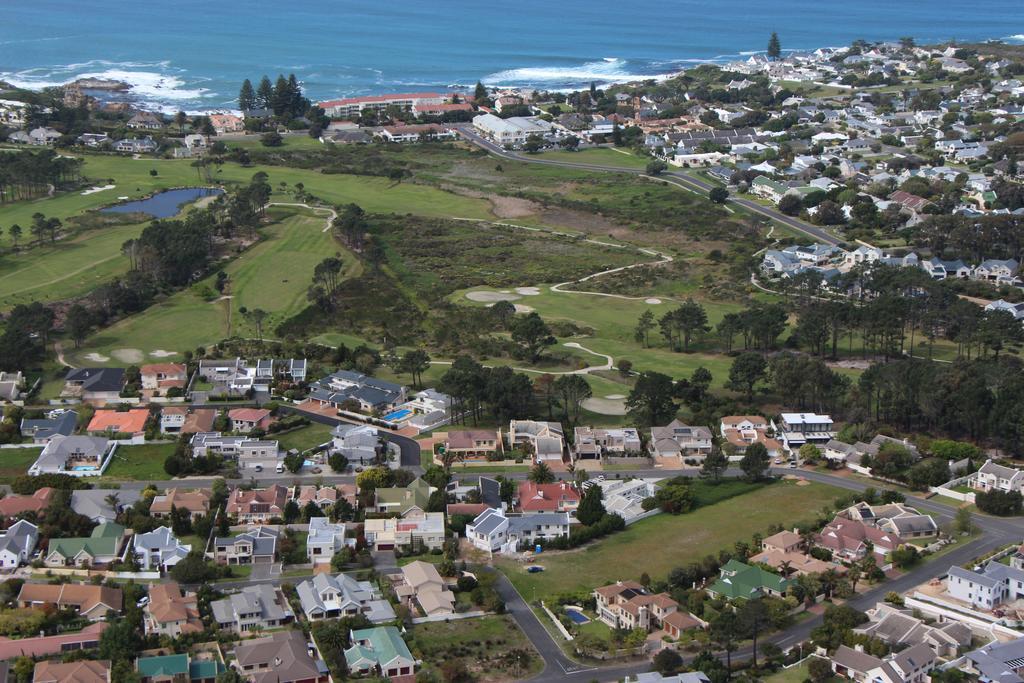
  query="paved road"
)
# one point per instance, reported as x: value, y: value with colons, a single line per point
x: 695, y: 184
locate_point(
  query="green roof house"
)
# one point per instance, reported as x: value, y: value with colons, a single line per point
x: 103, y: 546
x: 413, y: 497
x: 380, y: 650
x: 178, y: 668
x: 739, y: 580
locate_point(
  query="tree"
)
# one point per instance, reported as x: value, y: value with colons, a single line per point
x: 746, y: 371
x: 15, y: 233
x: 755, y: 462
x: 1001, y: 503
x: 656, y: 167
x: 715, y: 464
x: 719, y: 195
x: 810, y: 453
x: 644, y: 326
x: 534, y: 143
x: 246, y: 97
x: 819, y: 670
x: 774, y: 50
x: 790, y: 205
x: 650, y: 401
x: 338, y: 462
x: 667, y: 662
x: 77, y: 323
x: 591, y: 509
x: 265, y: 94
x: 256, y: 316
x: 963, y: 522
x: 753, y: 618
x: 541, y: 474
x: 573, y: 390
x: 120, y: 640
x: 532, y: 334
x: 725, y: 633
x: 271, y: 139
x: 480, y: 93
x: 415, y: 362
x: 292, y: 512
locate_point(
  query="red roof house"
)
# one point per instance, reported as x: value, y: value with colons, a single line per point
x: 558, y: 497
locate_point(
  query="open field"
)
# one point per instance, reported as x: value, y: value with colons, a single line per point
x: 602, y: 155
x: 15, y: 462
x: 143, y: 462
x: 642, y: 547
x: 305, y: 438
x: 480, y: 643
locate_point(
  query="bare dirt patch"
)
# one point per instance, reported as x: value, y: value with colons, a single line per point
x: 652, y: 301
x: 605, y: 406
x: 528, y: 291
x: 97, y: 357
x: 160, y: 353
x: 522, y: 308
x: 128, y: 355
x: 491, y: 297
x: 512, y: 207
x: 851, y: 364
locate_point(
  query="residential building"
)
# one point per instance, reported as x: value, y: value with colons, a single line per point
x: 345, y: 387
x: 1016, y: 310
x: 796, y: 429
x: 474, y: 444
x: 114, y: 422
x: 195, y: 502
x: 96, y: 385
x: 994, y: 477
x: 159, y: 550
x: 163, y: 376
x: 511, y: 131
x: 418, y: 530
x: 545, y: 441
x: 419, y: 584
x: 325, y: 497
x: 591, y: 443
x: 248, y: 419
x: 739, y: 431
x: 103, y: 546
x: 677, y: 440
x: 227, y: 123
x: 997, y: 662
x: 325, y: 539
x: 146, y: 145
x: 625, y: 497
x: 186, y: 420
x: 381, y: 649
x: 249, y: 453
x: 17, y: 543
x: 907, y: 666
x: 12, y: 386
x: 898, y: 627
x: 82, y: 671
x: 171, y: 612
x: 257, y: 505
x: 349, y: 107
x: 93, y: 139
x: 497, y: 532
x: 260, y: 606
x: 89, y: 601
x: 258, y: 546
x: 79, y: 456
x: 145, y: 120
x: 13, y: 505
x: 783, y: 552
x: 417, y: 132
x: 894, y: 518
x: 988, y: 588
x: 628, y: 605
x: 282, y: 657
x: 45, y: 646
x: 738, y: 580
x: 997, y: 270
x: 358, y: 443
x: 560, y: 496
x: 56, y: 423
x: 103, y: 505
x: 328, y: 596
x: 178, y: 668
x: 655, y: 677
x: 402, y: 500
x: 849, y: 539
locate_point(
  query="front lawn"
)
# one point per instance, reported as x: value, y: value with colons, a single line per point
x: 304, y: 438
x: 483, y: 645
x: 144, y: 462
x: 15, y: 462
x: 659, y: 544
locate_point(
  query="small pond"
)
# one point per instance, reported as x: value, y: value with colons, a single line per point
x: 164, y: 204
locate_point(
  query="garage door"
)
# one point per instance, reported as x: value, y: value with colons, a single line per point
x: 386, y: 546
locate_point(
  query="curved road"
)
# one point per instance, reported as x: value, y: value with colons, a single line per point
x: 812, y: 231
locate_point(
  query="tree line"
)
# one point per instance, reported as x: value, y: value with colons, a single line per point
x: 28, y: 175
x: 283, y: 97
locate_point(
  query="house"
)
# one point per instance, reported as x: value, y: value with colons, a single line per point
x: 938, y: 269
x: 655, y: 677
x: 248, y: 452
x: 325, y: 497
x: 146, y: 145
x: 994, y: 477
x: 544, y: 441
x: 89, y: 601
x: 347, y: 388
x: 628, y: 605
x: 898, y: 627
x: 97, y: 385
x: 591, y: 443
x: 739, y: 431
x: 17, y: 543
x: 195, y: 502
x: 849, y: 539
x: 381, y: 649
x: 742, y: 581
x: 145, y: 120
x: 56, y: 422
x: 497, y: 532
x: 170, y: 612
x: 417, y: 132
x: 78, y: 456
x: 93, y: 139
x: 248, y: 419
x: 260, y: 606
x: 560, y: 496
x: 178, y: 668
x: 159, y: 550
x: 324, y: 540
x: 44, y: 646
x: 511, y: 131
x: 328, y: 596
x: 415, y: 529
x: 783, y: 552
x: 103, y: 505
x: 227, y: 123
x: 625, y: 497
x: 474, y: 444
x: 796, y: 429
x: 186, y: 420
x: 257, y: 505
x: 838, y: 453
x: 258, y: 546
x: 360, y: 443
x: 1016, y: 310
x: 402, y: 500
x: 894, y: 518
x: 113, y: 422
x: 82, y: 671
x: 12, y: 505
x: 997, y: 662
x: 282, y: 657
x: 907, y: 666
x: 163, y: 376
x: 420, y: 583
x: 350, y: 107
x: 12, y: 386
x: 677, y: 440
x: 996, y: 270
x: 988, y: 588
x: 769, y: 189
x: 43, y: 136
x: 103, y: 546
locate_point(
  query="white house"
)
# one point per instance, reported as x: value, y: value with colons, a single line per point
x: 325, y: 539
x: 994, y: 477
x: 17, y: 544
x: 510, y: 131
x: 328, y: 596
x: 159, y: 550
x: 796, y: 429
x: 495, y: 532
x: 987, y: 589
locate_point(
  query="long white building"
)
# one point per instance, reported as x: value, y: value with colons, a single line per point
x: 354, y: 106
x: 511, y: 131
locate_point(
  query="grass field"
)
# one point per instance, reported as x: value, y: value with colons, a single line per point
x: 797, y: 674
x: 143, y: 462
x: 15, y: 462
x: 606, y: 156
x: 642, y: 547
x: 481, y: 644
x: 306, y: 437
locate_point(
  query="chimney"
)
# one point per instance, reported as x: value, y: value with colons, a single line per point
x: 859, y: 647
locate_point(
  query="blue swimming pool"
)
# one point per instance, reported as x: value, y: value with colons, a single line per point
x: 398, y: 415
x: 576, y: 616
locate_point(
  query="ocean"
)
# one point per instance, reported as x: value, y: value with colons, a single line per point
x: 193, y: 54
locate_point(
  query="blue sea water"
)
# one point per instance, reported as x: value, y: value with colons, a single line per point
x: 193, y: 55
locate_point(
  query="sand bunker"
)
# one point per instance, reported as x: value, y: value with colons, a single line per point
x: 96, y: 358
x: 160, y: 353
x: 528, y: 291
x: 94, y: 190
x: 128, y: 355
x: 491, y: 297
x: 652, y: 301
x: 615, y: 397
x: 605, y: 406
x: 522, y: 308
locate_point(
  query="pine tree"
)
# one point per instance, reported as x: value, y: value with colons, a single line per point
x: 281, y: 98
x: 591, y: 509
x: 246, y: 97
x: 480, y: 93
x: 774, y: 47
x: 265, y: 94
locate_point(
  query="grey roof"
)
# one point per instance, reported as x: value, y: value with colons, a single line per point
x: 488, y: 521
x: 997, y: 662
x: 20, y: 537
x: 688, y: 677
x: 44, y: 428
x: 490, y: 492
x: 536, y: 519
x: 157, y: 539
x: 352, y: 592
x: 55, y: 455
x: 93, y: 504
x: 855, y: 660
x: 913, y: 524
x: 250, y: 599
x: 263, y: 539
x: 97, y: 379
x: 321, y: 530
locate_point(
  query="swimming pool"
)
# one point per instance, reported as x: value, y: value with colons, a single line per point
x: 398, y: 415
x: 576, y: 616
x: 83, y: 468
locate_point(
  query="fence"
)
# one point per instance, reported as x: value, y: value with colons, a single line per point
x: 449, y: 617
x: 558, y: 624
x: 947, y: 490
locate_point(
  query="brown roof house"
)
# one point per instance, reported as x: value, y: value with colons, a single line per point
x: 82, y: 671
x: 474, y: 444
x: 782, y: 551
x: 184, y: 420
x: 14, y: 504
x: 627, y: 604
x: 92, y: 602
x: 740, y: 431
x: 257, y: 505
x: 159, y: 377
x: 280, y: 658
x: 197, y: 502
x: 170, y: 612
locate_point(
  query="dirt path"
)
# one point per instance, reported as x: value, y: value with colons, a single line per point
x: 609, y: 362
x: 331, y: 213
x: 58, y: 348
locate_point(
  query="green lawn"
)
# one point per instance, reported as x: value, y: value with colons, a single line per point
x: 482, y: 644
x: 602, y: 155
x: 140, y: 462
x: 658, y: 544
x: 15, y: 462
x: 305, y: 438
x: 797, y: 674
